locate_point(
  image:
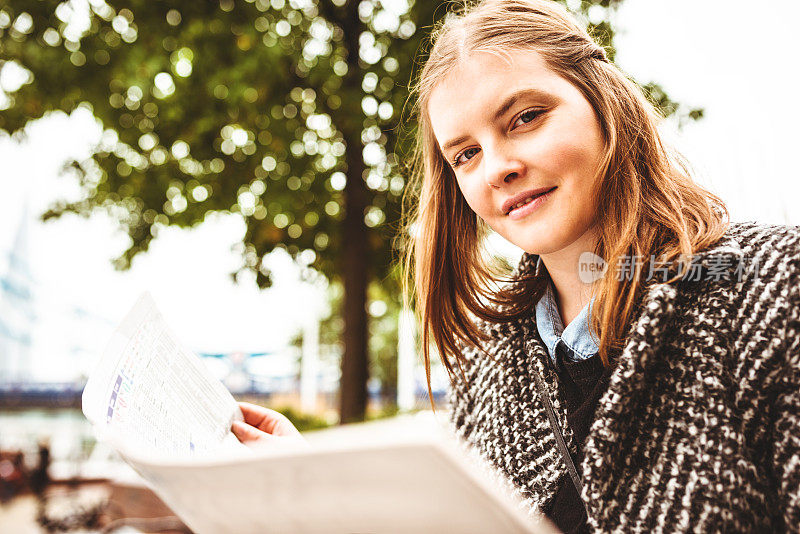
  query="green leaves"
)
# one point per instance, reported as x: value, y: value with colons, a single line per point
x: 238, y: 107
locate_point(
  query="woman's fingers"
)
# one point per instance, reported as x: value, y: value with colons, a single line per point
x: 254, y: 437
x: 254, y: 415
x: 262, y: 425
x: 267, y: 420
x: 246, y: 433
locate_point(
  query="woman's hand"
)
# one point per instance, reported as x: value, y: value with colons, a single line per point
x: 263, y: 426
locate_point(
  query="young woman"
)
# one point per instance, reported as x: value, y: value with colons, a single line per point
x: 640, y: 369
x: 660, y: 392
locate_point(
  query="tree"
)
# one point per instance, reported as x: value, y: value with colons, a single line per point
x: 287, y: 112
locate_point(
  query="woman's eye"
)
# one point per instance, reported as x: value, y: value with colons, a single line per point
x: 527, y: 116
x: 464, y: 156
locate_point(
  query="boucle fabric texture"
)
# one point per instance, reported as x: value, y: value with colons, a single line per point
x: 699, y: 429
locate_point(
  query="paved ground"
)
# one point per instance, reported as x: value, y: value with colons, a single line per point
x: 19, y: 516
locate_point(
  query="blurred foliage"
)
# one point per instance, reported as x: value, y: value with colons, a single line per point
x: 216, y: 106
x: 384, y: 311
x: 287, y: 112
x: 384, y: 412
x: 235, y: 106
x: 656, y: 94
x: 302, y: 421
x: 284, y: 112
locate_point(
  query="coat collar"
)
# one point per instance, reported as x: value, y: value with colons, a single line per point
x: 720, y: 264
x: 723, y: 257
x: 723, y: 261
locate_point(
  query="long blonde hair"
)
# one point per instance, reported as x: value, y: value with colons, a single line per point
x: 648, y: 202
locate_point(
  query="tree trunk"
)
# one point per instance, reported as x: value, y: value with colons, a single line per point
x: 355, y: 262
x: 355, y: 362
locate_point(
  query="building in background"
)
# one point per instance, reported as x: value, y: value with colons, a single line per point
x: 17, y: 310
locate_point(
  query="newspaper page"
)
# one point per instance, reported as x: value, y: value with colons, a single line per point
x: 396, y: 476
x: 151, y: 397
x: 158, y: 406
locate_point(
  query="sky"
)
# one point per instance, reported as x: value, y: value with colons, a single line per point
x: 738, y: 60
x: 733, y: 58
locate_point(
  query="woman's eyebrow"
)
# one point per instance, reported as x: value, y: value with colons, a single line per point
x: 513, y: 98
x: 537, y: 94
x: 454, y: 142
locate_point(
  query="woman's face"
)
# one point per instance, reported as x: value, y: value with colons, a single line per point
x: 512, y: 129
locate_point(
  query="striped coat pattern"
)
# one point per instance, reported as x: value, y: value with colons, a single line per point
x: 699, y: 429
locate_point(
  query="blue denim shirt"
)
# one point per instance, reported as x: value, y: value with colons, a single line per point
x: 575, y: 336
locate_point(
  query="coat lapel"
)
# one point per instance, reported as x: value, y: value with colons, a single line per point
x: 605, y: 451
x: 523, y: 331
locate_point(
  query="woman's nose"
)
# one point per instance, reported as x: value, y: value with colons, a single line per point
x: 502, y: 168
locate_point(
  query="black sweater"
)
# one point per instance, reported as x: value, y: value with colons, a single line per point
x: 581, y: 384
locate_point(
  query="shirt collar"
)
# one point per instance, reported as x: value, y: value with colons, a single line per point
x: 577, y: 333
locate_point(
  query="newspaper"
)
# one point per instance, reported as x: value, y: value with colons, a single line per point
x: 150, y: 395
x: 170, y: 419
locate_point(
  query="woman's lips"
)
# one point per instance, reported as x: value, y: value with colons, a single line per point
x: 530, y: 205
x: 523, y: 197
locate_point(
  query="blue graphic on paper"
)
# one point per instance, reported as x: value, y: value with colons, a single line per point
x: 112, y: 402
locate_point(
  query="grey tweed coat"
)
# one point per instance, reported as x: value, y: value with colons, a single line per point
x: 699, y: 429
